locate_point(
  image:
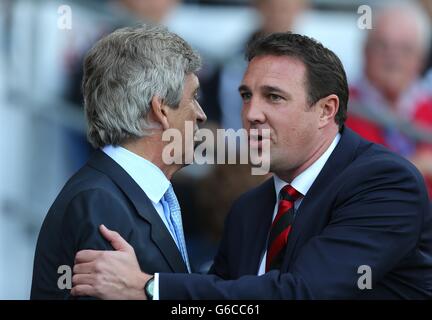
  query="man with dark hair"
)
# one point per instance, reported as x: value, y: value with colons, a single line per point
x: 341, y: 218
x: 324, y: 73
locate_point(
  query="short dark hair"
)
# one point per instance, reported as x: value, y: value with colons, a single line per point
x: 325, y: 74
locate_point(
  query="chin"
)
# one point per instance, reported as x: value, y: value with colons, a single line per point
x: 280, y: 167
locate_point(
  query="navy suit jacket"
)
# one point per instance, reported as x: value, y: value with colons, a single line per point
x: 100, y: 192
x: 368, y: 207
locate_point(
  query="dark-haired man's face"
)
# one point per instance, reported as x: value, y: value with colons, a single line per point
x: 274, y: 97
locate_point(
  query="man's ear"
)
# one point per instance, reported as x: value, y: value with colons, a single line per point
x: 329, y: 107
x: 159, y: 112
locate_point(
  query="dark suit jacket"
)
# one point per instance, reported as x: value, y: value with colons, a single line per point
x: 100, y: 192
x: 368, y: 206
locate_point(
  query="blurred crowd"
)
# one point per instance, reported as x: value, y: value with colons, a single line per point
x: 390, y: 102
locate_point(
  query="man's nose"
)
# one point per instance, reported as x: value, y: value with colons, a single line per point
x: 201, y: 116
x: 252, y: 112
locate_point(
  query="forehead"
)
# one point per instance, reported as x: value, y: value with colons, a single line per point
x: 274, y: 71
x: 396, y: 25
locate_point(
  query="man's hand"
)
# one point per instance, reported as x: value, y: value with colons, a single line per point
x: 109, y: 274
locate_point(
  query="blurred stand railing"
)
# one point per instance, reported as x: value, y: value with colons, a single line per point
x: 386, y: 119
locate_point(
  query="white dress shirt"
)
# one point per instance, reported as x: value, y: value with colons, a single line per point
x: 302, y: 184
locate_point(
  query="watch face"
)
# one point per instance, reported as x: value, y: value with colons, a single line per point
x: 149, y: 289
x: 151, y: 286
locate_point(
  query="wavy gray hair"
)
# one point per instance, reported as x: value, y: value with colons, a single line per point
x: 124, y: 71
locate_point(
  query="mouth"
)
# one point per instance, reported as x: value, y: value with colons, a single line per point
x: 255, y: 141
x: 258, y: 136
x: 197, y: 141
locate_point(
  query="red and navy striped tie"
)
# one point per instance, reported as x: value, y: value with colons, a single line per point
x: 281, y: 227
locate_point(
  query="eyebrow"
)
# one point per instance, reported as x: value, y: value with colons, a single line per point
x: 276, y: 90
x: 243, y: 88
x: 267, y: 89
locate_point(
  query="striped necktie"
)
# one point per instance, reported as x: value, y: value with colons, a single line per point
x: 281, y: 227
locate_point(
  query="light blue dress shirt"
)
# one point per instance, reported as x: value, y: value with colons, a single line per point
x: 147, y: 175
x: 152, y: 181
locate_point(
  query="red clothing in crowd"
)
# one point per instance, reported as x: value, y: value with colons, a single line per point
x: 420, y: 113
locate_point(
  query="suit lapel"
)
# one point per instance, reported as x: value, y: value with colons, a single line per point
x: 340, y: 158
x: 260, y: 224
x: 159, y: 233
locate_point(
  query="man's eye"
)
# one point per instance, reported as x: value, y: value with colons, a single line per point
x: 197, y: 96
x: 274, y: 97
x: 245, y: 95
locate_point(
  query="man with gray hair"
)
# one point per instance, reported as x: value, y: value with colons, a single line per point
x: 389, y: 105
x: 138, y: 83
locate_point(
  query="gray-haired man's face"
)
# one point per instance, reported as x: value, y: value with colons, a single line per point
x: 189, y: 111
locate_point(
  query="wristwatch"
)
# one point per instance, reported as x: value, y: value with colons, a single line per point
x: 148, y: 288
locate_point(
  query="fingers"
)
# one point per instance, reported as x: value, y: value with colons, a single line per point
x: 84, y: 256
x: 115, y: 239
x: 84, y: 268
x: 83, y: 279
x: 84, y: 290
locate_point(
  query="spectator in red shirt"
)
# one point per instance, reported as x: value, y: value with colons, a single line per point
x: 388, y: 104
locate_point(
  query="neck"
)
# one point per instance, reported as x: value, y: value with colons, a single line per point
x: 391, y: 97
x: 392, y: 100
x: 150, y: 148
x: 321, y: 148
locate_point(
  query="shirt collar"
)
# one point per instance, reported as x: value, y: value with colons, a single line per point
x: 146, y: 174
x: 304, y: 180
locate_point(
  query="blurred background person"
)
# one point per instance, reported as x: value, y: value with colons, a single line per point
x: 427, y: 81
x: 427, y: 5
x: 388, y: 105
